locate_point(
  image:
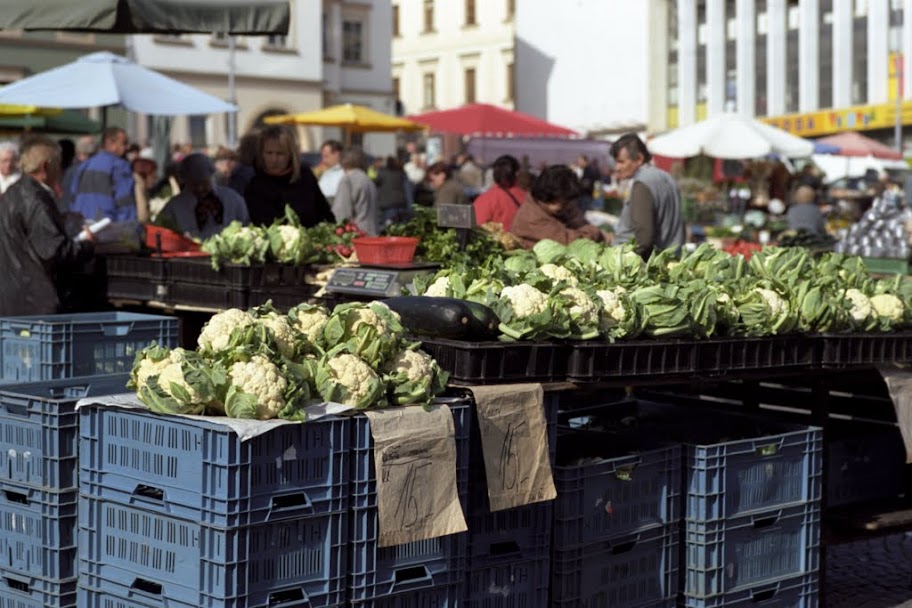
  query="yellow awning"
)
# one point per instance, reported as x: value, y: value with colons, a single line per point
x: 349, y: 116
x: 11, y: 110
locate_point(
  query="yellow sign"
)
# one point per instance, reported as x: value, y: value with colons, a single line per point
x: 856, y: 118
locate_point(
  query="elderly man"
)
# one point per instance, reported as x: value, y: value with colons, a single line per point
x: 103, y: 185
x: 356, y: 199
x: 652, y: 213
x: 85, y: 147
x: 202, y: 208
x: 9, y: 165
x: 35, y: 251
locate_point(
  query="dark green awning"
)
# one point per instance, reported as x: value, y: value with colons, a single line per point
x: 148, y: 16
x: 68, y: 121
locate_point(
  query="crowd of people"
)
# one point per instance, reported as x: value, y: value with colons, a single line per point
x: 50, y: 194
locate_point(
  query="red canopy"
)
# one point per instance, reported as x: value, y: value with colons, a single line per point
x: 484, y: 120
x: 852, y: 143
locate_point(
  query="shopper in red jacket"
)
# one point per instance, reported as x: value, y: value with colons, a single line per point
x: 502, y: 200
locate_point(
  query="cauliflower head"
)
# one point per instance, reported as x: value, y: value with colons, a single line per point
x: 888, y: 307
x: 861, y: 305
x: 777, y: 306
x: 415, y: 364
x: 310, y: 321
x: 257, y: 389
x: 613, y: 311
x: 440, y: 288
x: 582, y: 309
x: 559, y: 273
x: 282, y: 332
x: 216, y: 334
x: 147, y: 368
x: 173, y: 374
x: 525, y: 300
x: 413, y: 377
x: 347, y: 379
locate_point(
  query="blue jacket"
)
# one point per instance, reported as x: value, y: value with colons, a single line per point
x: 103, y: 187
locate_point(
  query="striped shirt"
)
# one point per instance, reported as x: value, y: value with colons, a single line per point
x: 103, y: 187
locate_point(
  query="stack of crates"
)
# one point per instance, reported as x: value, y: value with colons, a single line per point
x: 752, y: 511
x: 38, y: 488
x: 421, y: 574
x: 182, y: 512
x: 509, y: 550
x: 616, y: 528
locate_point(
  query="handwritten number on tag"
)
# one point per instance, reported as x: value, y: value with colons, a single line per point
x: 409, y: 511
x: 509, y: 463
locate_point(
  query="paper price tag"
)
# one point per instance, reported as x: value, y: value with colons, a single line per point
x: 514, y: 440
x: 415, y: 461
x: 899, y: 383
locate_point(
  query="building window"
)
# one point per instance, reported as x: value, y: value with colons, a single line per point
x: 671, y: 94
x: 428, y: 15
x: 791, y: 71
x: 277, y: 41
x: 511, y: 82
x: 352, y: 42
x: 760, y: 105
x: 469, y: 78
x: 396, y: 85
x: 429, y: 91
x: 825, y: 50
x: 470, y: 12
x: 511, y: 9
x: 396, y: 32
x: 325, y: 36
x: 220, y: 37
x: 860, y: 56
x: 198, y: 131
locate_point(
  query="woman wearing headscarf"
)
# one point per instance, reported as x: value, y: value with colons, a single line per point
x: 281, y: 180
x: 500, y: 202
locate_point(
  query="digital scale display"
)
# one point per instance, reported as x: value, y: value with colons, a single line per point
x: 376, y: 281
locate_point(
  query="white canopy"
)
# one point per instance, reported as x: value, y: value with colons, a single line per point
x: 837, y: 167
x: 731, y: 136
x: 103, y: 79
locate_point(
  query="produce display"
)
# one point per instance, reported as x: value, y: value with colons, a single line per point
x: 286, y: 242
x: 262, y: 364
x: 882, y: 232
x: 442, y: 245
x: 587, y: 291
x: 803, y: 238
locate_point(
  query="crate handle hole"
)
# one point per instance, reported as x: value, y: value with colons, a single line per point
x: 414, y: 576
x: 117, y: 330
x: 624, y: 547
x: 287, y: 597
x: 16, y: 497
x: 16, y: 584
x: 765, y: 522
x: 504, y: 548
x: 763, y: 596
x: 149, y: 493
x: 15, y: 409
x: 141, y: 584
x: 767, y: 450
x: 625, y: 472
x: 291, y: 502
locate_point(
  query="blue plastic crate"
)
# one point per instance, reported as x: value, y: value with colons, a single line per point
x: 149, y: 596
x: 799, y: 592
x: 514, y: 584
x: 442, y: 596
x: 630, y: 488
x: 865, y: 462
x: 519, y: 531
x: 52, y: 347
x: 631, y: 572
x: 39, y: 429
x: 168, y: 559
x: 37, y: 531
x: 23, y: 591
x: 201, y: 470
x: 376, y: 571
x: 776, y: 465
x: 743, y: 552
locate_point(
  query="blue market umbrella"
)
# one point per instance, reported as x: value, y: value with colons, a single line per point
x: 821, y: 148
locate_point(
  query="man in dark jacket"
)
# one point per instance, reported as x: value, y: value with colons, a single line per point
x: 34, y: 248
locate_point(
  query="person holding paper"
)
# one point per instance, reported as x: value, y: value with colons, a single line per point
x: 35, y: 251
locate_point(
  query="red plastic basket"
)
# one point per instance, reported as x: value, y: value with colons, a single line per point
x: 170, y: 240
x: 385, y: 249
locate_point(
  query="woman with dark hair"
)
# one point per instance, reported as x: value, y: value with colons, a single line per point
x: 502, y: 200
x: 394, y: 190
x: 281, y: 180
x: 447, y: 189
x: 552, y: 211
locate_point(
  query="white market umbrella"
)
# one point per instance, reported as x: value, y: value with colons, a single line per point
x: 104, y: 79
x: 729, y: 136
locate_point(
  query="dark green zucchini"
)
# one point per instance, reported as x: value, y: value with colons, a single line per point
x: 448, y: 318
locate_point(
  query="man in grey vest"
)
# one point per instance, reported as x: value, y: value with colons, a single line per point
x: 652, y: 212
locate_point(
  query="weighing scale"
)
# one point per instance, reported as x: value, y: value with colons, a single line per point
x: 377, y: 280
x: 388, y: 280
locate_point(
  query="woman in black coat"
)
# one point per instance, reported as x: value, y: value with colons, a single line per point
x: 281, y: 180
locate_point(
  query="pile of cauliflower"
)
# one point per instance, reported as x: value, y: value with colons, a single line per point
x: 263, y: 364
